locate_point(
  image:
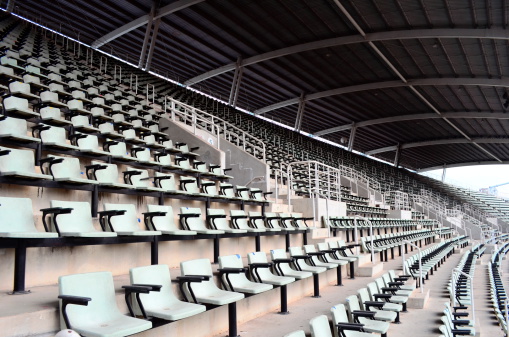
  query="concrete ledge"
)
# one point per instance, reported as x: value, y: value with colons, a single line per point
x: 369, y: 270
x: 418, y: 300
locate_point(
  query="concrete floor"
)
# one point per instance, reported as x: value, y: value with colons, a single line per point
x: 415, y: 322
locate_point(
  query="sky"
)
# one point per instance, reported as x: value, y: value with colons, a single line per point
x: 476, y: 177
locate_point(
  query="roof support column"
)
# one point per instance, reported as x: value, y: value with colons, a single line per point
x: 10, y: 5
x: 157, y: 22
x: 353, y: 130
x: 143, y: 54
x: 443, y: 173
x: 398, y: 153
x: 300, y: 112
x: 237, y: 78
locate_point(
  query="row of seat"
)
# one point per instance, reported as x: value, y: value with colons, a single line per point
x: 368, y: 313
x: 88, y: 303
x: 460, y: 285
x: 498, y: 294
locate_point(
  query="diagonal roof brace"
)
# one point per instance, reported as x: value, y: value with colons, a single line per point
x: 163, y: 11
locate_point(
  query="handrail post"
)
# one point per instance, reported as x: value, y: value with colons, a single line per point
x: 421, y: 283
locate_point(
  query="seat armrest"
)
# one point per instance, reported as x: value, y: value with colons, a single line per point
x: 194, y: 148
x: 389, y: 289
x: 239, y: 217
x: 56, y: 210
x: 96, y: 167
x: 75, y: 300
x: 257, y: 217
x: 350, y: 326
x: 260, y: 265
x: 153, y: 287
x: 227, y: 169
x: 190, y: 215
x: 460, y: 314
x: 316, y: 253
x: 157, y: 179
x: 395, y: 283
x: 216, y: 216
x: 282, y: 260
x: 4, y: 152
x: 232, y: 270
x: 154, y: 213
x: 363, y: 313
x: 301, y: 257
x: 386, y: 296
x: 138, y: 289
x: 193, y: 278
x: 328, y: 251
x: 462, y: 332
x: 374, y: 304
x: 111, y: 213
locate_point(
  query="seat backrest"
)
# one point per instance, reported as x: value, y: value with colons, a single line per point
x: 90, y: 142
x: 296, y: 251
x: 372, y: 290
x: 69, y: 168
x: 167, y: 184
x: 217, y: 223
x: 333, y: 244
x: 17, y: 160
x: 199, y: 267
x: 191, y: 187
x: 352, y: 304
x: 273, y: 219
x: 16, y: 215
x: 229, y: 192
x: 107, y: 175
x: 156, y: 274
x: 99, y: 287
x: 13, y: 126
x: 320, y: 326
x: 385, y: 279
x: 210, y: 189
x: 50, y: 112
x: 338, y: 313
x: 363, y: 296
x: 14, y: 103
x: 54, y: 135
x: 322, y: 246
x: 140, y: 180
x: 257, y: 257
x: 165, y: 160
x: 195, y: 223
x: 240, y: 223
x: 309, y: 248
x: 126, y: 222
x: 143, y: 155
x: 165, y: 222
x: 48, y: 97
x: 79, y: 220
x: 242, y: 192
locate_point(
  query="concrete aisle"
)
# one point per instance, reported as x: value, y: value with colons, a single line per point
x: 416, y: 322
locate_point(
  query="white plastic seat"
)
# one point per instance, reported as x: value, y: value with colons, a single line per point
x: 263, y: 274
x: 106, y: 175
x: 56, y: 137
x: 107, y: 129
x: 51, y: 98
x: 207, y: 291
x: 331, y: 257
x: 364, y: 297
x: 82, y: 123
x: 191, y: 219
x: 101, y: 316
x: 310, y: 250
x: 90, y: 144
x: 17, y: 219
x: 183, y: 164
x: 232, y: 274
x: 320, y: 327
x: 239, y: 218
x: 393, y: 278
x: 77, y: 105
x: 286, y: 221
x: 258, y: 221
x: 59, y: 89
x: 140, y: 180
x: 168, y: 184
x: 19, y: 106
x: 353, y: 303
x: 79, y: 222
x: 19, y: 164
x: 396, y: 303
x: 339, y: 315
x: 296, y: 252
x: 243, y: 192
x: 67, y: 169
x: 217, y: 219
x: 190, y: 185
x: 53, y: 115
x: 165, y: 223
x: 144, y: 156
x: 21, y: 89
x: 124, y: 224
x: 16, y: 129
x: 228, y: 191
x: 118, y: 151
x: 165, y: 161
x: 283, y: 268
x: 162, y: 304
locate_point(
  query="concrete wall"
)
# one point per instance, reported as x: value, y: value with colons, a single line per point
x: 399, y: 214
x: 305, y: 206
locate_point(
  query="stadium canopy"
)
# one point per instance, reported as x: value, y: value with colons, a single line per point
x: 423, y: 81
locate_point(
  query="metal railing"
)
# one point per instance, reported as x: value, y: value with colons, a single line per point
x: 201, y: 120
x: 454, y: 276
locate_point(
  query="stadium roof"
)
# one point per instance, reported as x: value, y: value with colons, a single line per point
x: 426, y: 79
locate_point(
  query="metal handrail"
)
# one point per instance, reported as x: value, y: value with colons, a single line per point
x: 421, y: 279
x: 457, y: 271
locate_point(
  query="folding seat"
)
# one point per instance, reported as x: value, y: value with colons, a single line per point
x: 385, y: 281
x: 216, y: 218
x: 99, y: 115
x: 184, y: 148
x: 164, y: 160
x: 144, y: 156
x: 257, y: 220
x: 161, y: 218
x: 367, y: 303
x: 272, y: 221
x: 65, y: 169
x: 76, y: 106
x: 285, y: 220
x: 378, y: 290
x: 260, y: 270
x: 82, y: 123
x: 400, y: 279
x: 140, y: 180
x: 19, y: 107
x: 243, y: 192
x: 161, y: 302
x: 55, y: 78
x: 315, y: 258
x: 122, y: 219
x: 183, y: 164
x: 88, y: 306
x: 320, y: 327
x: 166, y: 181
x: 107, y: 129
x: 191, y: 219
x: 190, y: 185
x: 7, y: 74
x: 21, y: 89
x: 19, y: 164
x: 53, y: 116
x: 151, y: 141
x: 12, y: 63
x: 59, y: 89
x: 356, y: 312
x: 81, y: 95
x: 366, y: 327
x: 304, y: 261
x: 282, y: 265
x: 15, y: 129
x: 50, y: 98
x: 118, y: 150
x: 71, y: 218
x: 17, y: 219
x: 217, y: 171
x: 105, y: 174
x: 99, y: 101
x: 227, y: 190
x: 232, y: 275
x: 203, y: 289
x: 239, y: 220
x: 130, y: 136
x: 88, y: 144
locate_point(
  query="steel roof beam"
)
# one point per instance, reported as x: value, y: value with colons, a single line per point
x: 487, y: 82
x: 492, y: 33
x: 472, y: 163
x: 404, y: 118
x: 440, y: 142
x: 163, y: 11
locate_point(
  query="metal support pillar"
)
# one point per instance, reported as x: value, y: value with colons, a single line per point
x: 284, y: 301
x: 154, y: 251
x: 20, y: 259
x: 152, y: 44
x: 300, y: 112
x: 257, y: 243
x: 396, y: 157
x: 232, y: 320
x: 216, y: 249
x: 95, y: 201
x: 353, y: 130
x: 237, y: 78
x: 339, y: 276
x: 443, y: 173
x: 316, y: 286
x: 10, y: 6
x: 287, y: 241
x: 147, y: 37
